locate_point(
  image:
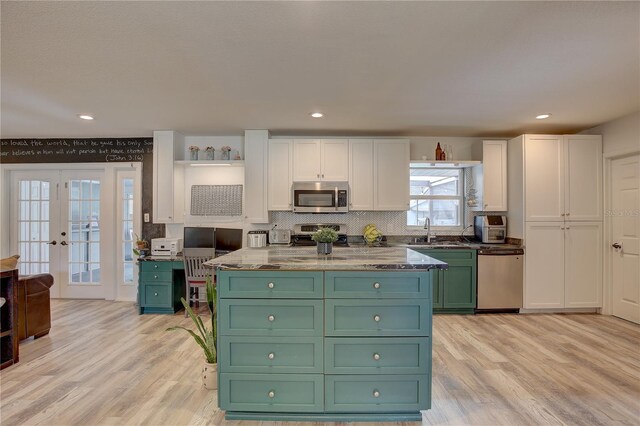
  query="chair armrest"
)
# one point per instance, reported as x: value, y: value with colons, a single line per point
x: 36, y: 283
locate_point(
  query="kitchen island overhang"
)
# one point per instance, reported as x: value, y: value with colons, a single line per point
x: 343, y: 337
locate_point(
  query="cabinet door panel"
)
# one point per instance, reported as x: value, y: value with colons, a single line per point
x: 361, y: 174
x: 436, y: 282
x: 163, y: 170
x: 583, y: 265
x: 459, y: 286
x: 370, y: 317
x: 255, y: 317
x: 391, y: 174
x: 544, y: 178
x: 544, y: 265
x: 334, y: 160
x: 377, y: 355
x: 390, y: 393
x: 306, y: 160
x: 297, y: 393
x: 584, y: 177
x: 280, y: 174
x: 494, y: 160
x: 243, y: 354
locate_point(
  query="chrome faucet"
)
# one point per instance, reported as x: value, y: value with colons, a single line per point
x: 427, y: 226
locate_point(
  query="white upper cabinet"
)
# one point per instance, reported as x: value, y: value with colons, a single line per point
x: 320, y: 160
x: 361, y: 174
x: 583, y: 197
x: 544, y: 178
x: 255, y: 181
x: 391, y: 174
x: 563, y: 177
x: 490, y: 177
x: 168, y: 181
x: 280, y: 174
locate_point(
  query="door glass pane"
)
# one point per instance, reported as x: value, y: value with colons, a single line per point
x: 127, y: 230
x: 33, y: 226
x: 84, y: 231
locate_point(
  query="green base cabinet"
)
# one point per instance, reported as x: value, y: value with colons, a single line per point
x: 352, y: 346
x: 454, y: 289
x: 161, y: 284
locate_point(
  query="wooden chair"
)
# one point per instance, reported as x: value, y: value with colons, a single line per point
x: 196, y: 274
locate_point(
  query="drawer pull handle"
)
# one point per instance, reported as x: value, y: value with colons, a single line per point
x: 271, y: 355
x: 155, y: 276
x: 376, y: 285
x: 272, y: 394
x: 271, y: 285
x: 155, y: 294
x: 376, y: 394
x: 376, y: 356
x: 271, y: 318
x: 376, y: 318
x: 155, y: 266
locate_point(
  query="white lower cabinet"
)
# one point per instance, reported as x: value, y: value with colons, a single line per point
x: 563, y: 265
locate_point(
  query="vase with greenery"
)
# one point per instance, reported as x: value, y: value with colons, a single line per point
x: 204, y: 336
x: 140, y: 246
x: 325, y: 237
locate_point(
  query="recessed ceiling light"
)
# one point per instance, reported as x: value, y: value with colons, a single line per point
x: 542, y: 116
x: 317, y: 114
x: 85, y: 116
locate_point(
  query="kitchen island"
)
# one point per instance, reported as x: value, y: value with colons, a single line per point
x: 308, y: 337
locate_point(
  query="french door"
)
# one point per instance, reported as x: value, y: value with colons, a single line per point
x: 60, y: 229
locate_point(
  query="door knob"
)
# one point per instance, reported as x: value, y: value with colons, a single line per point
x: 616, y: 246
x: 64, y: 234
x: 63, y: 243
x: 53, y: 243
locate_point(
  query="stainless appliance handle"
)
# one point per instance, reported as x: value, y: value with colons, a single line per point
x: 336, y: 199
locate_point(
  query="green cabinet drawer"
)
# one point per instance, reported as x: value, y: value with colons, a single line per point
x: 350, y: 284
x: 374, y: 394
x: 270, y: 317
x: 241, y: 354
x: 298, y: 393
x: 156, y: 295
x: 375, y: 355
x: 266, y: 284
x: 370, y: 317
x: 156, y: 276
x: 159, y: 266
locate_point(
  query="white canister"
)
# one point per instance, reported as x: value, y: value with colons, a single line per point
x: 257, y: 239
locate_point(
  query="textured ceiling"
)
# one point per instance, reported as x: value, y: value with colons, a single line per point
x: 410, y: 68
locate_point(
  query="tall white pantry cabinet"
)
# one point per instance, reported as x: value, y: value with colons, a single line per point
x: 555, y: 206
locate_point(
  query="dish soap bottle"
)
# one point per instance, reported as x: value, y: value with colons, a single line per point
x: 438, y: 152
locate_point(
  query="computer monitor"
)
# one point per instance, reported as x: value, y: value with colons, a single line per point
x: 228, y: 239
x: 199, y: 237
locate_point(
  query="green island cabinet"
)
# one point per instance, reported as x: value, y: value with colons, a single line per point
x: 454, y: 289
x: 161, y: 284
x: 324, y: 345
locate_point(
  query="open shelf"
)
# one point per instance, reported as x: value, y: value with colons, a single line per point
x: 445, y: 164
x: 232, y: 163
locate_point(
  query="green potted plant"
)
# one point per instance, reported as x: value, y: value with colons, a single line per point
x: 325, y: 237
x: 205, y: 337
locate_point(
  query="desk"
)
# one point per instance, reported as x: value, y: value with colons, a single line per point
x: 161, y: 284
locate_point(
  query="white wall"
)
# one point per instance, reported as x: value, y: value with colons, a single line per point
x: 620, y: 135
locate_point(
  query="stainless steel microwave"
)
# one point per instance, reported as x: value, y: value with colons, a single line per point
x: 320, y: 197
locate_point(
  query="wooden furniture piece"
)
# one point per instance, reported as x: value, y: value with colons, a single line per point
x: 329, y: 345
x: 34, y: 305
x: 9, y: 318
x: 161, y: 284
x: 454, y: 289
x: 195, y: 274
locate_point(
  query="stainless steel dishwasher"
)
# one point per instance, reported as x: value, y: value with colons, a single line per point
x: 500, y: 280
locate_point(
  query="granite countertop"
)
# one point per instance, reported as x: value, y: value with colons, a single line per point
x: 177, y: 258
x: 342, y: 258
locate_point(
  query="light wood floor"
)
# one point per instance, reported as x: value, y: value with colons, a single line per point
x: 104, y: 364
